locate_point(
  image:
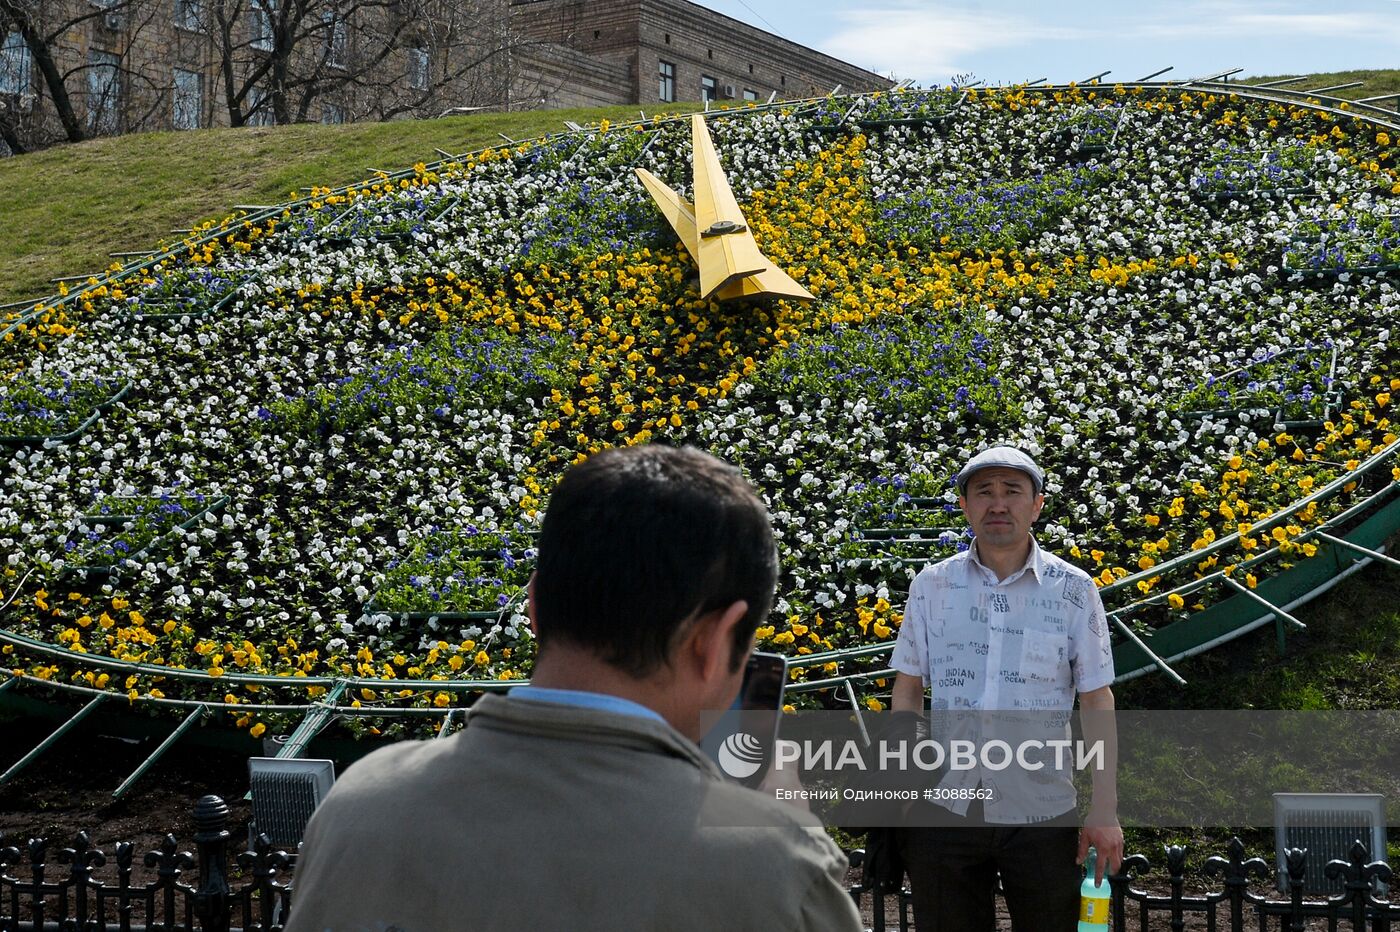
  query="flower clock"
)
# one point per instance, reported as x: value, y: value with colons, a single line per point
x: 297, y: 461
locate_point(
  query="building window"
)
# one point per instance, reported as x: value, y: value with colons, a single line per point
x: 337, y: 39
x: 111, y: 20
x: 332, y: 113
x: 709, y: 89
x: 667, y: 90
x: 750, y: 94
x: 260, y: 25
x: 103, y: 91
x: 259, y: 108
x: 189, y: 99
x: 16, y: 65
x: 189, y: 14
x: 418, y: 64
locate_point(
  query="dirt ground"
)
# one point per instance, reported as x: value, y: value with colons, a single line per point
x: 69, y: 789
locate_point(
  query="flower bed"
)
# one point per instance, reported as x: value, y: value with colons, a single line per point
x: 366, y: 404
x: 180, y: 291
x: 57, y: 408
x: 1368, y: 243
x: 121, y: 530
x: 1094, y: 131
x: 1233, y: 172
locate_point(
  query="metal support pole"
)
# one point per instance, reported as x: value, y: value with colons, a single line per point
x: 1155, y: 74
x: 1282, y: 81
x: 52, y: 739
x: 314, y: 721
x: 1340, y: 542
x: 9, y: 683
x: 1097, y: 76
x: 445, y: 728
x: 1214, y: 77
x: 165, y: 745
x: 1151, y: 654
x: 860, y: 719
x: 1334, y: 87
x: 1281, y: 617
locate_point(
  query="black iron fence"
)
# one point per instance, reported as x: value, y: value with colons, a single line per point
x: 1231, y: 905
x: 36, y: 896
x: 91, y: 890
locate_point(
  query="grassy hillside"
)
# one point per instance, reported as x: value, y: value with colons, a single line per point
x: 64, y: 209
x: 1378, y: 81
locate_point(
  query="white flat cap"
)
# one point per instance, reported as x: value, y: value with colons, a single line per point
x: 1007, y: 457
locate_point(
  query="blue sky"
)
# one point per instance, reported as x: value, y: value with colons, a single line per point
x: 1017, y: 40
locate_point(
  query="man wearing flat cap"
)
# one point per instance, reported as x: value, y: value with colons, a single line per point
x: 1005, y: 627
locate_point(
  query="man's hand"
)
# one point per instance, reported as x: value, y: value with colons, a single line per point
x: 1107, y: 840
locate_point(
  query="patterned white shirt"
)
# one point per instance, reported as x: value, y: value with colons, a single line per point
x: 1028, y: 642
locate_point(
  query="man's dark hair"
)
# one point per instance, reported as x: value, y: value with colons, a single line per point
x: 638, y: 539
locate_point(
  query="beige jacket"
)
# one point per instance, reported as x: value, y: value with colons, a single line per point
x: 540, y: 817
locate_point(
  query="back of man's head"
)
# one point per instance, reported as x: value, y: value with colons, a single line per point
x: 637, y: 540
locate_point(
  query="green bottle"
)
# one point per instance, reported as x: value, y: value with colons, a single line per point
x: 1093, y: 898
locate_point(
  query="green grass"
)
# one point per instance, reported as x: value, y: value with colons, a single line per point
x: 1378, y: 81
x: 66, y: 208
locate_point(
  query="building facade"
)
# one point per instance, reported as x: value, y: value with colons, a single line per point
x: 73, y: 69
x: 666, y: 51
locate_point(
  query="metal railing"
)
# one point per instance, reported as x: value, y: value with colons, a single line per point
x: 172, y: 890
x: 1234, y: 903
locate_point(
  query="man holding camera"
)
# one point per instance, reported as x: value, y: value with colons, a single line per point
x: 582, y: 802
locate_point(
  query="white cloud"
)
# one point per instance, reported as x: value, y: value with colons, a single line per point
x: 932, y: 44
x: 1253, y: 27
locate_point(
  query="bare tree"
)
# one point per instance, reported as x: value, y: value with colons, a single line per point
x: 79, y: 70
x: 104, y: 92
x: 368, y: 59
